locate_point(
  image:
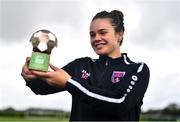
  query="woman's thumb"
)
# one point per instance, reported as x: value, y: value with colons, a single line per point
x: 53, y: 67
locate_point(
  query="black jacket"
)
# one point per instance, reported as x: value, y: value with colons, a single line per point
x: 102, y: 89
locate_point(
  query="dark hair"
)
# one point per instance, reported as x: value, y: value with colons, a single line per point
x: 117, y: 19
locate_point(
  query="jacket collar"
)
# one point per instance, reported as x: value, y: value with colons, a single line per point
x: 108, y: 61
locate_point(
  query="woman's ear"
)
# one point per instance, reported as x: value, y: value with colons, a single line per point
x: 120, y: 34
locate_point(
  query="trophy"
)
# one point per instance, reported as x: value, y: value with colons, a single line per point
x: 43, y: 41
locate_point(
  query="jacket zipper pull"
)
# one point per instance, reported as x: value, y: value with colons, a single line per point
x: 106, y: 63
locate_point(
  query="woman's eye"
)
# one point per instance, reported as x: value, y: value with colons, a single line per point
x: 103, y: 33
x: 92, y: 34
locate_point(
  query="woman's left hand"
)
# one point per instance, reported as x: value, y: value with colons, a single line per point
x: 58, y: 77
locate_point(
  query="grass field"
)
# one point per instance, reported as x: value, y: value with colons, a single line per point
x: 31, y: 119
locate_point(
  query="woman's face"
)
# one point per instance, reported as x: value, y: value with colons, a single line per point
x: 104, y: 39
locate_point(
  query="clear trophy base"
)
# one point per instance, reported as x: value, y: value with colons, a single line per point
x: 39, y: 61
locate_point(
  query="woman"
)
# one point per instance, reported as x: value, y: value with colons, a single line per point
x: 111, y: 87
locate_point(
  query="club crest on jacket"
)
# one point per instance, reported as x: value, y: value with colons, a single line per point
x: 117, y: 76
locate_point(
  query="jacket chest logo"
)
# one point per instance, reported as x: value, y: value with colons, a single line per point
x: 85, y: 74
x: 117, y: 76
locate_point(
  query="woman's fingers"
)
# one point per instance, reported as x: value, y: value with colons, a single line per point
x: 26, y: 74
x: 28, y: 59
x: 28, y: 77
x: 40, y: 74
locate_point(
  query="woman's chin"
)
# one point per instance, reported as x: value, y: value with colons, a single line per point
x: 101, y: 53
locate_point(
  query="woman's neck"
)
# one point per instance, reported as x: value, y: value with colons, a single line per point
x: 115, y: 54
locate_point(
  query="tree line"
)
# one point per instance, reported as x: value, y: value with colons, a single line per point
x: 35, y: 113
x: 169, y: 113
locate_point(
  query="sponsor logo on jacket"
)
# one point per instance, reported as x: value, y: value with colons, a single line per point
x: 85, y: 74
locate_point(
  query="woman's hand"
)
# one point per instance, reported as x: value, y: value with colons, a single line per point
x: 58, y: 77
x: 26, y: 73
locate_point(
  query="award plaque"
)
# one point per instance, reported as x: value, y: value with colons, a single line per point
x: 43, y: 41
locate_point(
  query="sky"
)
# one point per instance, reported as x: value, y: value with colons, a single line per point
x: 152, y: 35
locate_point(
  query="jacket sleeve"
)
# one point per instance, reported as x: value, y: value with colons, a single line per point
x: 39, y: 86
x: 119, y: 101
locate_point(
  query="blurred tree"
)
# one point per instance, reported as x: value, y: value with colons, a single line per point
x: 172, y: 109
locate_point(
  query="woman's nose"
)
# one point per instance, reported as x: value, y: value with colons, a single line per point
x: 97, y: 37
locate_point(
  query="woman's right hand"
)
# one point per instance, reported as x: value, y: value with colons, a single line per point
x: 26, y: 73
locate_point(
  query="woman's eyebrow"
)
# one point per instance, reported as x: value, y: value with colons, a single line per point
x: 98, y: 30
